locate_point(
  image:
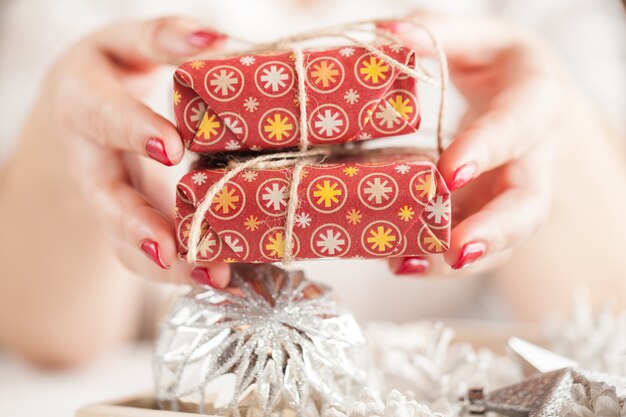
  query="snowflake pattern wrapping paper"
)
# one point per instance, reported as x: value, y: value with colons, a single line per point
x: 376, y: 204
x: 250, y: 102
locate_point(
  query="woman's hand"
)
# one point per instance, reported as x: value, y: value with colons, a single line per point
x: 92, y: 100
x: 499, y: 163
x: 90, y: 173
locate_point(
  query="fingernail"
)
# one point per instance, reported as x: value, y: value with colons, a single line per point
x: 391, y: 26
x: 412, y: 265
x: 155, y: 148
x: 462, y: 176
x: 151, y: 249
x: 469, y: 253
x: 203, y: 38
x: 202, y: 276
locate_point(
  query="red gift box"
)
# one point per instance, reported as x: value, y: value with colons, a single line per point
x: 371, y: 205
x: 250, y: 102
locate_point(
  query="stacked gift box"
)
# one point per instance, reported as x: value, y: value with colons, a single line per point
x: 351, y: 204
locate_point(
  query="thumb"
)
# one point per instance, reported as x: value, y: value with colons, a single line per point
x: 466, y: 40
x: 159, y: 41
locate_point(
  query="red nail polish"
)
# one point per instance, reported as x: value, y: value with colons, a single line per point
x: 469, y: 253
x: 202, y: 276
x: 462, y: 176
x: 203, y: 38
x: 413, y: 265
x: 151, y: 249
x: 155, y: 148
x: 391, y: 26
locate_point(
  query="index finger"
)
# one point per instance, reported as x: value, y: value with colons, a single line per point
x: 157, y: 41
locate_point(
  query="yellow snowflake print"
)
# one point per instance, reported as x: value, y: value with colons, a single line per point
x: 325, y: 73
x: 406, y: 213
x: 278, y: 128
x: 426, y: 187
x: 230, y: 260
x: 225, y: 200
x: 381, y: 239
x: 177, y: 97
x: 187, y: 229
x: 354, y: 217
x: 350, y: 171
x: 197, y: 65
x: 401, y: 105
x: 375, y: 70
x: 368, y: 116
x: 208, y: 127
x: 276, y: 245
x: 327, y: 193
x: 433, y: 243
x: 252, y: 223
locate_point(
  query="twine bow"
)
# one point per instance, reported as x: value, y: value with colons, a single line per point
x: 304, y: 155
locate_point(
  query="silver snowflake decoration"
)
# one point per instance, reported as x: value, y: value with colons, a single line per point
x: 273, y: 344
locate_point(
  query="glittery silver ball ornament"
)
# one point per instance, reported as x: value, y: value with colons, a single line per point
x: 275, y: 344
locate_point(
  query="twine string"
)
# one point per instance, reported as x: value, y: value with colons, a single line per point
x: 304, y: 156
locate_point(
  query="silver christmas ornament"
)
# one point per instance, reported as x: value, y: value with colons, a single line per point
x: 275, y: 344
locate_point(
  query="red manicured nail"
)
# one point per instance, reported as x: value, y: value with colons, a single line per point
x: 412, y: 265
x: 470, y: 252
x: 151, y: 249
x: 462, y: 176
x: 391, y: 26
x: 203, y: 38
x: 155, y: 148
x: 202, y: 276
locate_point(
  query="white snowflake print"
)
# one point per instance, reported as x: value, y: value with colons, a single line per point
x: 198, y: 113
x: 205, y: 247
x: 232, y: 145
x: 234, y: 125
x: 249, y: 176
x: 274, y: 78
x: 224, y: 82
x: 330, y: 242
x: 351, y: 96
x: 377, y: 190
x: 388, y: 115
x: 275, y: 196
x: 199, y: 178
x: 303, y: 220
x: 364, y: 136
x: 233, y: 243
x: 328, y: 123
x: 439, y: 209
x: 256, y: 148
x: 247, y: 60
x: 396, y: 48
x: 251, y: 104
x: 346, y: 51
x: 402, y: 169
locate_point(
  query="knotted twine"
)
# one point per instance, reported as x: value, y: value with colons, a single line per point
x: 304, y: 156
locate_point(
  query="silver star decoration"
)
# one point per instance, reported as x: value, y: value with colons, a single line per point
x: 554, y: 393
x: 274, y: 343
x: 550, y: 394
